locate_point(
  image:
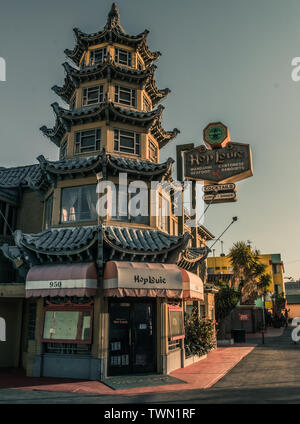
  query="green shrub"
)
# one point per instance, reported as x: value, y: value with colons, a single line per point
x: 199, y: 335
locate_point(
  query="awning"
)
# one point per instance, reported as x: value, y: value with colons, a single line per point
x: 192, y: 286
x: 62, y: 280
x: 140, y: 279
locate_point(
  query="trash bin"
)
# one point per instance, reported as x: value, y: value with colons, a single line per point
x: 239, y: 336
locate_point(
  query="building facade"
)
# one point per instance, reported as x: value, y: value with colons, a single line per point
x: 85, y: 295
x: 292, y: 289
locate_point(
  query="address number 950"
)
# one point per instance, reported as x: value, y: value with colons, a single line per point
x: 55, y: 284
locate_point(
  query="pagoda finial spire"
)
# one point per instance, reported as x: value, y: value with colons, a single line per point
x: 113, y: 16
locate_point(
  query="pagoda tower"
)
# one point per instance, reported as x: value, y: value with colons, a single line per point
x: 112, y: 96
x: 102, y: 292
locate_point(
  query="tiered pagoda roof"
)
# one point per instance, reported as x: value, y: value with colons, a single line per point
x: 105, y: 111
x: 109, y: 112
x: 108, y: 69
x: 39, y: 177
x: 85, y: 166
x: 14, y: 180
x: 191, y: 257
x: 112, y: 33
x: 80, y: 244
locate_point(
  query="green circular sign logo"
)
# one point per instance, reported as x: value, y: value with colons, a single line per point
x: 215, y: 134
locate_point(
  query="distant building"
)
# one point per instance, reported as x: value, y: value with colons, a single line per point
x: 292, y: 290
x: 220, y: 269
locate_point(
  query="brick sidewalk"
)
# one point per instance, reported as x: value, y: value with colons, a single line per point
x: 201, y: 375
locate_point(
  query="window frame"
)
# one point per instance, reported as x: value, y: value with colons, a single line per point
x: 100, y: 93
x: 92, y: 61
x: 136, y: 142
x: 79, y: 188
x: 76, y: 143
x: 71, y: 308
x: 175, y: 308
x: 123, y: 51
x: 128, y: 218
x: 132, y: 94
x: 161, y: 217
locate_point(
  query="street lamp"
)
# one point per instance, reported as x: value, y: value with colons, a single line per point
x: 234, y: 219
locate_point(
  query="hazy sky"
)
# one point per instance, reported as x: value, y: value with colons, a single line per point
x: 227, y: 60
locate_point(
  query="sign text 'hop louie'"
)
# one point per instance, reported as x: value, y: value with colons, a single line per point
x: 221, y: 161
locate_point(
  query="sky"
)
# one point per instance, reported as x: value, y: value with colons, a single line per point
x: 227, y: 61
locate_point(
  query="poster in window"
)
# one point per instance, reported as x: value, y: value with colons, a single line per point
x: 67, y: 325
x: 176, y: 324
x: 61, y: 325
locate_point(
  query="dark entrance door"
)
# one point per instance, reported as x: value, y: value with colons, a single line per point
x: 131, y: 337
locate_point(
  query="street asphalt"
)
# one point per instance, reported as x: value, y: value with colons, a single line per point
x: 270, y: 374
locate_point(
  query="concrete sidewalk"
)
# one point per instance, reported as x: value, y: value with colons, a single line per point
x: 270, y: 332
x: 201, y: 375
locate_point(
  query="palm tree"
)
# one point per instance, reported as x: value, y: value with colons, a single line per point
x: 249, y: 274
x: 249, y: 281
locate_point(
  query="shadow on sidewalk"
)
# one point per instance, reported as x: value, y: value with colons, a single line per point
x: 16, y: 378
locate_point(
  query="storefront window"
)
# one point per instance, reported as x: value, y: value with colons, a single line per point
x: 67, y: 326
x: 79, y: 204
x: 176, y: 325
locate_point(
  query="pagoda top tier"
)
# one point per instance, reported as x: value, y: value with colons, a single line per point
x: 113, y: 32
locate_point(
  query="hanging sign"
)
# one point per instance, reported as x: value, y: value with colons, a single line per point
x: 225, y: 165
x: 220, y: 197
x: 218, y: 187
